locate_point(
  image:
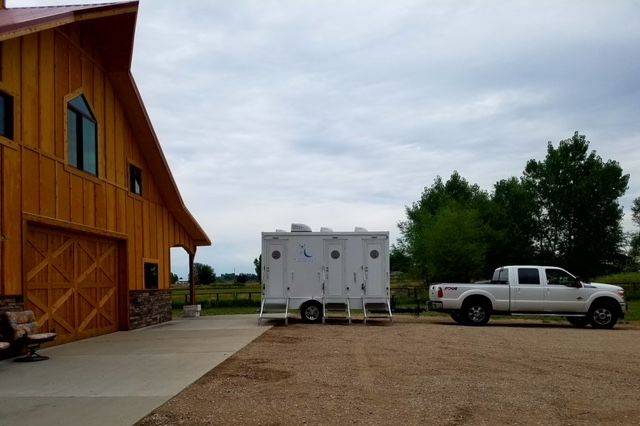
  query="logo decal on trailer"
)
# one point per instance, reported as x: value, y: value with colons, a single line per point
x: 304, y: 254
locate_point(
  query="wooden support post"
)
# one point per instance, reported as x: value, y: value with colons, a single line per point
x: 192, y: 286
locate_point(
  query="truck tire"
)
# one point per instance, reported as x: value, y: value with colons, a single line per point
x: 603, y: 315
x: 579, y: 322
x: 457, y: 317
x: 476, y: 312
x: 311, y: 311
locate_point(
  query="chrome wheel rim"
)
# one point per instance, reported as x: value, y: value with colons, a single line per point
x: 476, y: 313
x: 312, y: 313
x: 602, y: 316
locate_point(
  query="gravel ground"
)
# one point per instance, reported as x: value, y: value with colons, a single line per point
x: 420, y: 370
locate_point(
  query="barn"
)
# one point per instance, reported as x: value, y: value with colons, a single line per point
x: 89, y: 208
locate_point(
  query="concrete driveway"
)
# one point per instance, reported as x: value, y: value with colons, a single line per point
x: 118, y: 378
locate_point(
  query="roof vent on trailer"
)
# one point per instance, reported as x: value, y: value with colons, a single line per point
x: 360, y: 229
x: 324, y: 229
x: 280, y: 231
x: 300, y: 227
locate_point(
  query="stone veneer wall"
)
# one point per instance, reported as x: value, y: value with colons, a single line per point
x: 149, y: 307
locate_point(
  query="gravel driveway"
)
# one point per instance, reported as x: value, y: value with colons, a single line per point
x: 424, y: 370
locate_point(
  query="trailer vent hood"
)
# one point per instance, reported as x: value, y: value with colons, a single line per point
x: 360, y: 229
x: 325, y: 229
x: 300, y: 227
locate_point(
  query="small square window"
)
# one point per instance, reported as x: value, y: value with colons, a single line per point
x: 150, y: 275
x: 135, y: 179
x: 6, y: 115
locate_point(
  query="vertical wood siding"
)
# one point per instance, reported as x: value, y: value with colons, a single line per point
x: 41, y: 71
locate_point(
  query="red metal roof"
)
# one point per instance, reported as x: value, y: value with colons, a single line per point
x: 27, y: 19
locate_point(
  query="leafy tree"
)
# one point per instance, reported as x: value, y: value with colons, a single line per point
x: 579, y: 226
x: 399, y: 259
x: 257, y: 263
x: 173, y: 278
x: 203, y: 274
x: 242, y: 278
x: 634, y: 252
x: 512, y: 224
x: 635, y: 211
x: 455, y: 249
x: 425, y: 222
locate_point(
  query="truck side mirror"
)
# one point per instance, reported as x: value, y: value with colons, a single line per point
x: 577, y: 283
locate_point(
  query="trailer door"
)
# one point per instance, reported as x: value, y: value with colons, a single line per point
x: 276, y: 268
x: 334, y: 268
x: 375, y: 267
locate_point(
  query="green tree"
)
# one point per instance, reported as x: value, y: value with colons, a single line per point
x: 579, y: 225
x: 203, y: 274
x: 425, y: 221
x: 257, y: 264
x: 456, y: 248
x: 173, y: 278
x: 634, y: 252
x: 399, y: 259
x: 512, y: 224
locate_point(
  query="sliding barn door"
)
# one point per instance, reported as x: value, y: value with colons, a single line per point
x: 71, y: 282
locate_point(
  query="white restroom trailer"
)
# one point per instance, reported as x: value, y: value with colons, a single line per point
x: 325, y: 274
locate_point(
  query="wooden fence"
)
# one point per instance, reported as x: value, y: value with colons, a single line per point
x: 401, y: 295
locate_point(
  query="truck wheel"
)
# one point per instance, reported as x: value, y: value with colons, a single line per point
x: 457, y: 317
x: 311, y: 311
x: 579, y: 322
x: 603, y: 315
x: 476, y: 312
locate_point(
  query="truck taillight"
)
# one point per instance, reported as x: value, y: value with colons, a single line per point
x: 621, y: 293
x: 440, y: 292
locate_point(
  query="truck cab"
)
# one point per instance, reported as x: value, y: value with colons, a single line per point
x: 531, y: 290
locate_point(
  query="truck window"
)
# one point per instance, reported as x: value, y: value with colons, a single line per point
x: 558, y: 277
x: 528, y: 276
x: 500, y: 276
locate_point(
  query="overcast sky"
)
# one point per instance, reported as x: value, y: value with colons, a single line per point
x: 339, y: 113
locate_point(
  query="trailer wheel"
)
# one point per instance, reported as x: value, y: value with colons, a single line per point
x: 457, y: 317
x: 311, y: 311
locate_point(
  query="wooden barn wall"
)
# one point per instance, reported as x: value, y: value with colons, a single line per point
x: 41, y: 71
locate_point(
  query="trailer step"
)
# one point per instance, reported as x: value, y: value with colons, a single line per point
x: 280, y: 308
x: 335, y: 307
x: 343, y: 306
x: 377, y: 308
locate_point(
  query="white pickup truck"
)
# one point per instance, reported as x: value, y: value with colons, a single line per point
x: 531, y: 290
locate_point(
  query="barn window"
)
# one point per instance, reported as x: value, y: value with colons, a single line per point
x: 82, y: 135
x: 6, y: 115
x: 135, y: 179
x: 150, y: 275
